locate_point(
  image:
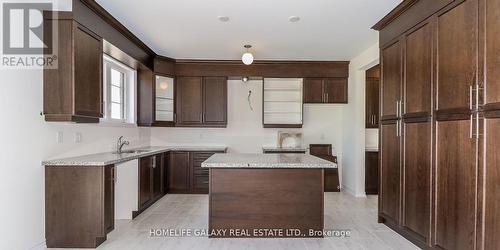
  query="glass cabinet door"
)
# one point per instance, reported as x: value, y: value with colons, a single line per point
x: 164, y: 99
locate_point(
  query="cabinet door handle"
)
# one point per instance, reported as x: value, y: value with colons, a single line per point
x: 397, y: 108
x: 471, y: 133
x: 154, y: 162
x: 471, y: 106
x: 327, y: 98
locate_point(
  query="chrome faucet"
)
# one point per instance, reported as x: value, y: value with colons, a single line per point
x: 120, y: 144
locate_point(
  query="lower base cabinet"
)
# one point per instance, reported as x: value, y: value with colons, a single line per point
x: 151, y: 181
x: 79, y: 205
x: 185, y: 175
x: 109, y: 198
x: 371, y: 172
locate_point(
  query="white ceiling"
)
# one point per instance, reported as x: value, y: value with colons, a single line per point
x: 189, y: 29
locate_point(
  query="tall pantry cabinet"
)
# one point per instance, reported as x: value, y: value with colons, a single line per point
x: 440, y: 123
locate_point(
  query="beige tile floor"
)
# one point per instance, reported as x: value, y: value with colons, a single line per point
x: 342, y: 211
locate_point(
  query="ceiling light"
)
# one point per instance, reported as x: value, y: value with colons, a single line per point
x: 247, y: 57
x: 163, y: 85
x: 223, y: 18
x: 294, y: 19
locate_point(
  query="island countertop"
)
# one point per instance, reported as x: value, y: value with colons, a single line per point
x: 233, y: 160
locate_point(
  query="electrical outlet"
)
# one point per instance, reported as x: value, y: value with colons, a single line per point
x: 322, y: 137
x: 78, y: 137
x: 59, y: 137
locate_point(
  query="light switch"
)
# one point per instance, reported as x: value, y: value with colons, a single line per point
x: 59, y: 137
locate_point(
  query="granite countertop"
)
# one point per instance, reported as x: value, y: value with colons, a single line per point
x: 278, y: 149
x: 108, y: 158
x: 266, y: 161
x: 370, y: 149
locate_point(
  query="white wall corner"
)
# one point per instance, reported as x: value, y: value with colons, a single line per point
x: 354, y: 124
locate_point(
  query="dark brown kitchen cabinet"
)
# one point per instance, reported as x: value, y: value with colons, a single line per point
x: 448, y: 115
x: 157, y: 179
x: 109, y: 198
x: 331, y: 176
x: 73, y: 91
x: 335, y: 90
x: 456, y: 61
x: 371, y: 172
x: 215, y: 101
x: 79, y: 205
x: 145, y: 195
x: 155, y: 98
x: 178, y: 172
x: 150, y: 181
x: 418, y: 72
x: 490, y: 143
x: 372, y: 97
x: 456, y: 169
x: 185, y: 172
x: 390, y: 171
x: 391, y: 81
x: 189, y: 99
x: 325, y: 90
x: 417, y: 162
x: 199, y: 176
x: 201, y: 102
x: 491, y: 173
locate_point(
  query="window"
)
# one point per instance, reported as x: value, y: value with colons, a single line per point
x: 119, y: 89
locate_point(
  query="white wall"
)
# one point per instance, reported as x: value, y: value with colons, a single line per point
x: 354, y: 125
x: 26, y: 140
x: 244, y: 133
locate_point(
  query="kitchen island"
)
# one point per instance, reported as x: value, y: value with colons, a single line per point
x: 266, y: 195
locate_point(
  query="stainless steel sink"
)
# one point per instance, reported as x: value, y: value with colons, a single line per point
x: 133, y: 151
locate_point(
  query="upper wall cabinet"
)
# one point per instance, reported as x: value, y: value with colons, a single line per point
x: 164, y: 99
x: 282, y: 106
x: 325, y: 90
x: 155, y: 98
x: 201, y: 102
x: 73, y: 90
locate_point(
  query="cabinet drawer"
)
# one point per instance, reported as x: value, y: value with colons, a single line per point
x: 201, y: 171
x: 201, y: 182
x: 198, y: 158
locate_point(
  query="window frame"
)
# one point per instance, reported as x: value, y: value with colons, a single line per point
x: 127, y: 92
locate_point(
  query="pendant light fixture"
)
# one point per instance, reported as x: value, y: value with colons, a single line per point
x: 247, y: 57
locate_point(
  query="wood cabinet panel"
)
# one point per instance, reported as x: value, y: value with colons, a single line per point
x: 372, y: 102
x: 215, y: 100
x: 417, y: 179
x: 109, y: 198
x: 371, y: 172
x: 157, y: 175
x: 391, y: 80
x: 418, y: 71
x: 335, y: 90
x: 73, y: 90
x: 492, y: 184
x: 456, y: 56
x: 145, y: 194
x: 178, y: 172
x: 390, y: 171
x: 456, y: 170
x: 313, y: 90
x: 88, y: 73
x: 189, y: 99
x: 492, y: 53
